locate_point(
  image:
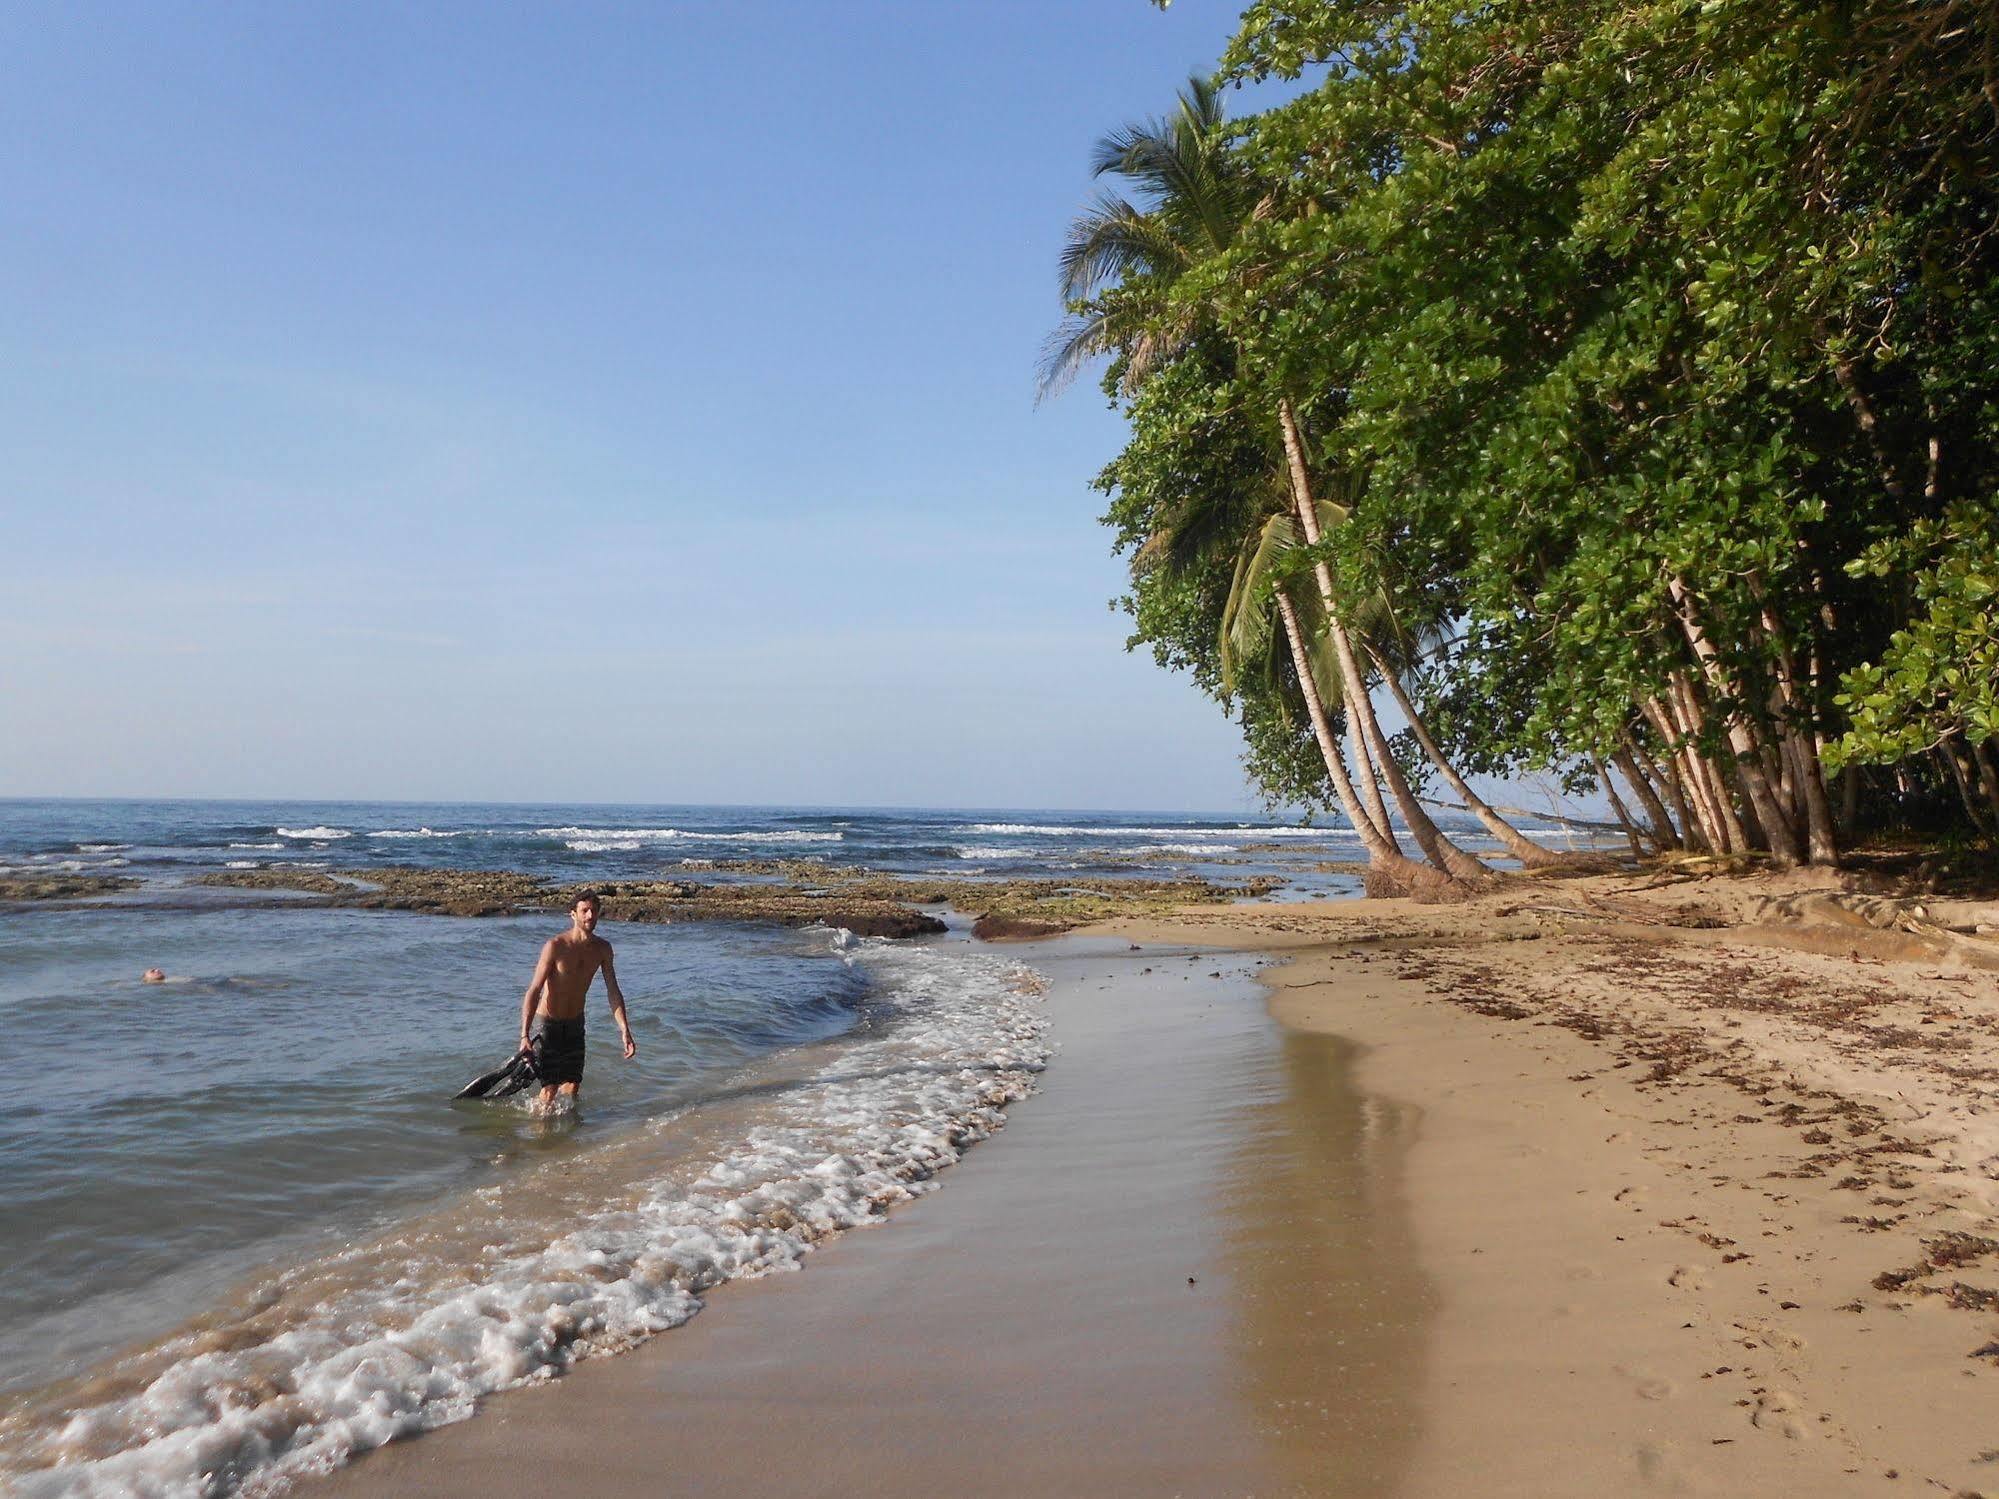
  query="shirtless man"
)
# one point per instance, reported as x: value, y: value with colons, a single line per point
x: 552, y: 1009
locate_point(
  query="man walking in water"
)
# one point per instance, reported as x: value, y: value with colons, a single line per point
x: 552, y: 1009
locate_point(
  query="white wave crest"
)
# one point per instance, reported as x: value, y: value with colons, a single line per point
x: 633, y: 837
x: 266, y: 847
x: 242, y: 864
x: 1111, y: 830
x: 1185, y: 848
x: 419, y: 833
x: 973, y: 851
x: 102, y: 848
x: 327, y: 833
x: 425, y: 1343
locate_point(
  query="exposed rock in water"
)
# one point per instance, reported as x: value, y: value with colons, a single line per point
x: 275, y: 879
x: 995, y: 928
x: 63, y: 886
x: 451, y: 892
x: 864, y: 902
x: 783, y: 905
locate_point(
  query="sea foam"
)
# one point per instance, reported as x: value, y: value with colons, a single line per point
x: 631, y: 838
x: 303, y: 1384
x: 1112, y: 830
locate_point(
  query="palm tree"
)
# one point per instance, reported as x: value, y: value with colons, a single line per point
x: 1119, y: 268
x: 1201, y: 198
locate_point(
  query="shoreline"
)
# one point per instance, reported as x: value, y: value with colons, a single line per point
x: 1153, y: 1280
x: 1672, y: 1204
x: 1709, y: 1209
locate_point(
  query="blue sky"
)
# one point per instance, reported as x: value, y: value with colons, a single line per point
x: 590, y: 402
x: 572, y: 402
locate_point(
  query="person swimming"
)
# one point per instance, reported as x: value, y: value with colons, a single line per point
x: 154, y: 976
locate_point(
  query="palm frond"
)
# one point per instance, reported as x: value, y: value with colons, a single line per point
x: 1111, y: 241
x: 1080, y: 338
x: 1249, y: 641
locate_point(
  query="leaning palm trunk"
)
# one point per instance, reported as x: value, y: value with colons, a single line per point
x: 1383, y: 857
x: 1364, y: 771
x: 1530, y: 854
x: 1437, y: 848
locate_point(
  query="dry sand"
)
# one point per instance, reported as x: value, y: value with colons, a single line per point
x: 1680, y: 1151
x: 1585, y: 1188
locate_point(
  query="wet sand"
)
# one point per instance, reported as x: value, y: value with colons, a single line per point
x: 1584, y: 1190
x: 1184, y: 1267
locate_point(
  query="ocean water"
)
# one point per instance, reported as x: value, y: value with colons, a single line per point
x: 166, y: 841
x: 245, y: 1233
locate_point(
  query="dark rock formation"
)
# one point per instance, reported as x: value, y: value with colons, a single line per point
x: 802, y: 893
x: 62, y: 886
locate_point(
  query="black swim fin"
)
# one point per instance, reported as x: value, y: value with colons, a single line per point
x: 519, y: 1072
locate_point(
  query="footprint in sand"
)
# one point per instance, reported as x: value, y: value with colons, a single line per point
x: 1659, y: 1468
x: 1774, y: 1338
x: 1688, y: 1278
x: 1777, y: 1411
x: 1648, y: 1386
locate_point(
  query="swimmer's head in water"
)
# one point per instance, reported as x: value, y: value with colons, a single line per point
x: 156, y: 976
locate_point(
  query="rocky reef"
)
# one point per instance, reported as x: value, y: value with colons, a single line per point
x: 795, y: 893
x: 63, y: 886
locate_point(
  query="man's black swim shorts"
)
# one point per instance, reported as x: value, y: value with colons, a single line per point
x: 559, y: 1058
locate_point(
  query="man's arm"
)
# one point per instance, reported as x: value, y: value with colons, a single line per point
x: 535, y: 986
x: 617, y: 997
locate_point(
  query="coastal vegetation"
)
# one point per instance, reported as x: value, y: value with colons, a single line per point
x: 1609, y: 384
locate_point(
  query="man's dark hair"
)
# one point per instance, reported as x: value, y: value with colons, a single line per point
x: 590, y: 895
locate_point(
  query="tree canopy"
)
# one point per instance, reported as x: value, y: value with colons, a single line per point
x: 1651, y: 352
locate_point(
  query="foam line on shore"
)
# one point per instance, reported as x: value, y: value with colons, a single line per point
x: 414, y: 1337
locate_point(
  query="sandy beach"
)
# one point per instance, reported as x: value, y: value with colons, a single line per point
x: 1582, y: 1189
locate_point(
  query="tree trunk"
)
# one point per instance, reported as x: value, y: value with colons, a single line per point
x: 1988, y: 777
x: 1382, y: 856
x: 1656, y: 788
x: 1655, y: 810
x: 1437, y: 848
x: 1946, y: 750
x: 1711, y: 795
x: 1800, y: 743
x: 1849, y: 801
x: 1693, y: 834
x: 1869, y: 424
x: 1703, y: 829
x: 1617, y: 806
x: 1785, y: 847
x: 1735, y: 838
x: 1530, y: 854
x: 1364, y: 772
